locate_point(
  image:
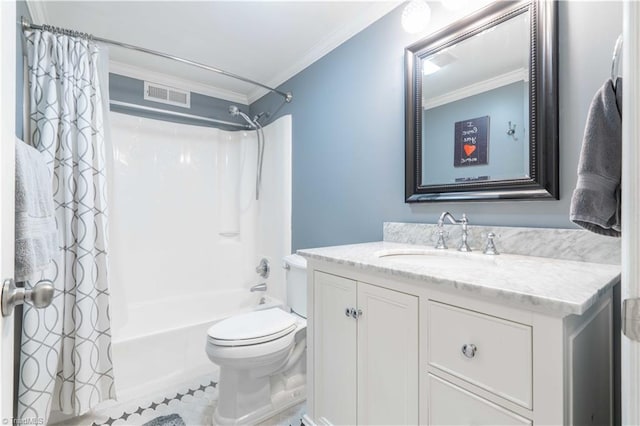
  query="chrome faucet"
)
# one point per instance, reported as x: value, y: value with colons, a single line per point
x: 464, y: 245
x: 259, y: 287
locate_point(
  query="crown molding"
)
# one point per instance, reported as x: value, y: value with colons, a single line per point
x: 329, y: 43
x: 175, y: 82
x: 521, y: 74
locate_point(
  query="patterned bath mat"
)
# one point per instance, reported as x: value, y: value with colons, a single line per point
x: 170, y: 420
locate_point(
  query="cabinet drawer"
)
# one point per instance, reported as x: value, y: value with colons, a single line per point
x: 452, y: 405
x: 502, y: 360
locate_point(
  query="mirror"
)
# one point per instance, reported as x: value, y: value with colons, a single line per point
x: 481, y: 107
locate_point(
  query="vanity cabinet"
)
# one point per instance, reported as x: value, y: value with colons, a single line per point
x: 387, y: 349
x: 365, y: 352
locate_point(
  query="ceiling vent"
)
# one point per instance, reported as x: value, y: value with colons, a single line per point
x: 166, y: 95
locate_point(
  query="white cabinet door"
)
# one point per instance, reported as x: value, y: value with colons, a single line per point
x: 387, y: 357
x: 334, y: 344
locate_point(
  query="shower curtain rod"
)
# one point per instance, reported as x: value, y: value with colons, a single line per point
x: 28, y: 25
x: 127, y: 105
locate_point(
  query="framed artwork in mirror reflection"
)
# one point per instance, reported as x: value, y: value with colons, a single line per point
x: 471, y: 139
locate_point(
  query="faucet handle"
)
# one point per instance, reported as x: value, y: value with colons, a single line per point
x: 263, y: 268
x: 490, y: 248
x: 442, y: 234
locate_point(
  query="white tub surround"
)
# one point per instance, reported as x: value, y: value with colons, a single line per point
x: 443, y: 337
x: 186, y: 234
x: 174, y: 188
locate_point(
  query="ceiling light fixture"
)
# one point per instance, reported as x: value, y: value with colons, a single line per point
x: 416, y: 16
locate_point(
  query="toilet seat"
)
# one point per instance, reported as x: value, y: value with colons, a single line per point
x: 252, y: 328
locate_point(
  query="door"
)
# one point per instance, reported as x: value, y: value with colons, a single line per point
x: 7, y: 162
x: 630, y: 374
x: 388, y: 367
x: 334, y: 347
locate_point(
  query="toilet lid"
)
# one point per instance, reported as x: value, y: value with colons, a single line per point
x: 252, y: 328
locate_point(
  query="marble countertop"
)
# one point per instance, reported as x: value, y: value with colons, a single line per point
x: 544, y: 284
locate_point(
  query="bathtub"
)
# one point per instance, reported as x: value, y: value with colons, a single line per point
x: 162, y: 344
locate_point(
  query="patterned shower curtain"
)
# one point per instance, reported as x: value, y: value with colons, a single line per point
x: 65, y: 360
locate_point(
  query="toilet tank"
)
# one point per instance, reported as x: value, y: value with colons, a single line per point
x: 296, y: 266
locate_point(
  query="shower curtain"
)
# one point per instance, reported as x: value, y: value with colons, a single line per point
x: 65, y: 360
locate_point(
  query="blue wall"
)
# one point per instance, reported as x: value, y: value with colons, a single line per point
x: 505, y: 154
x: 131, y: 90
x: 348, y: 131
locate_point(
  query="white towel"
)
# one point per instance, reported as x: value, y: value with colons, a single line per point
x: 36, y: 233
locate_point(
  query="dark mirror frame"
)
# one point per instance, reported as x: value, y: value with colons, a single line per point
x: 543, y: 107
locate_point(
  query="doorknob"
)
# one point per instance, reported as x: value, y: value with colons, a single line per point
x: 40, y: 296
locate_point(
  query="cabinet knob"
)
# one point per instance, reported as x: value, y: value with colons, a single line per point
x: 469, y: 350
x: 353, y: 313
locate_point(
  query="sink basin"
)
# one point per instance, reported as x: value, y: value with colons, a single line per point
x: 436, y: 258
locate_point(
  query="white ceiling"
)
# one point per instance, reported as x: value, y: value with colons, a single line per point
x: 496, y: 52
x: 266, y: 41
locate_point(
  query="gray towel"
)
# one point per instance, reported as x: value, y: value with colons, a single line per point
x: 595, y: 204
x: 36, y: 233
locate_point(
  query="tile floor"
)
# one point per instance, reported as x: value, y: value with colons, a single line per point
x: 194, y: 402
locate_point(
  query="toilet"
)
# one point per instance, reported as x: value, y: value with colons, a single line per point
x: 262, y: 355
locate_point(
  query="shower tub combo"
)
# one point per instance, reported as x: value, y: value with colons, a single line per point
x: 186, y: 233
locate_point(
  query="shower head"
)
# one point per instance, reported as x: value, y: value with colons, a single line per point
x: 255, y: 124
x: 235, y: 111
